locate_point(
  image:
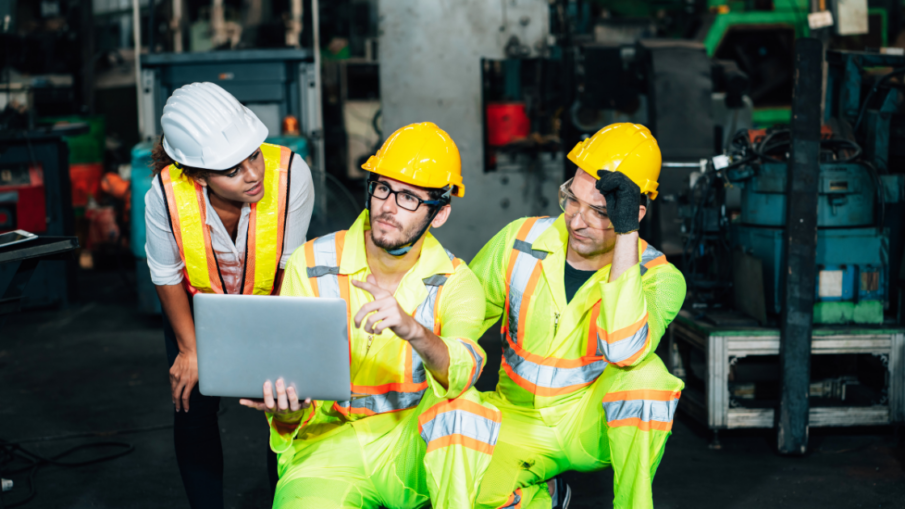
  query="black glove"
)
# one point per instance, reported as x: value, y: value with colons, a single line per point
x: 623, y: 199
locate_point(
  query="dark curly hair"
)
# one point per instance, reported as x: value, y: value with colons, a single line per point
x: 160, y: 160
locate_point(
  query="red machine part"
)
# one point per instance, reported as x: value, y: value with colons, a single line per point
x: 86, y: 181
x: 506, y: 122
x: 23, y: 208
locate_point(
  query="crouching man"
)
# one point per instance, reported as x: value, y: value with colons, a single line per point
x: 584, y: 303
x: 415, y: 433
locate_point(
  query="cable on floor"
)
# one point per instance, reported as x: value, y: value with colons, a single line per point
x: 15, y: 453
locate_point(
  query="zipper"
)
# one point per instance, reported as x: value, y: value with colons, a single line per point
x: 370, y: 340
x: 555, y: 323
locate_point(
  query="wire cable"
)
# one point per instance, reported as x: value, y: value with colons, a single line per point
x: 13, y: 453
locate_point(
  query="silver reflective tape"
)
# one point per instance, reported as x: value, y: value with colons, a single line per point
x: 435, y: 280
x: 389, y: 402
x: 644, y: 409
x: 478, y: 360
x: 551, y: 377
x: 321, y: 270
x: 424, y: 313
x: 516, y: 500
x: 449, y: 254
x: 461, y: 422
x: 650, y: 254
x: 521, y: 274
x: 324, y: 264
x: 524, y: 247
x: 418, y: 375
x: 539, y: 227
x: 325, y: 250
x: 624, y: 348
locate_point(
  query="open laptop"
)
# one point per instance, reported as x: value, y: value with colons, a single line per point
x: 245, y: 340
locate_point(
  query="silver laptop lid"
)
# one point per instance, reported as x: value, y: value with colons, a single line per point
x: 244, y: 340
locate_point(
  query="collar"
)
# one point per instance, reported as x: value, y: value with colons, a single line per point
x: 432, y: 260
x: 210, y: 221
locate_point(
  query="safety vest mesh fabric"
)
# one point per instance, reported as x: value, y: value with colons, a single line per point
x: 543, y: 376
x: 324, y: 258
x: 187, y: 211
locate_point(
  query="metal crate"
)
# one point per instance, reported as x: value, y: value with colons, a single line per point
x: 722, y: 347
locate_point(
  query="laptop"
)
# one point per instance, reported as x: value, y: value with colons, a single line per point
x: 245, y: 340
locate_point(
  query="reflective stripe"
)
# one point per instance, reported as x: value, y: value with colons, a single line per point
x: 525, y: 247
x: 644, y: 409
x: 323, y: 257
x: 322, y: 271
x: 460, y: 422
x: 542, y: 376
x: 650, y: 257
x: 553, y: 377
x: 392, y: 401
x: 478, y: 360
x: 620, y: 350
x: 325, y: 268
x: 515, y: 500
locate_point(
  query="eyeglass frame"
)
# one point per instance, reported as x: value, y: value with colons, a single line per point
x: 432, y: 203
x: 565, y: 190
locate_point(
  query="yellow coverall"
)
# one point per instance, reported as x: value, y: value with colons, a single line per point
x: 403, y: 441
x: 580, y: 387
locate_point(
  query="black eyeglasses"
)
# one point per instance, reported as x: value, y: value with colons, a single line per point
x: 404, y: 199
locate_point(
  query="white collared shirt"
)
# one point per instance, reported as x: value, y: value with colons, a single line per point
x: 163, y: 253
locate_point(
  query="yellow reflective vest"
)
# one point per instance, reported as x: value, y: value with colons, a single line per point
x: 187, y: 211
x: 552, y: 349
x: 388, y: 377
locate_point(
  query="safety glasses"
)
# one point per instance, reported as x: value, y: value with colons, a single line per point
x: 595, y: 217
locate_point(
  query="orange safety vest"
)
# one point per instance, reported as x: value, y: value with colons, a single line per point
x: 553, y: 376
x: 403, y: 384
x: 187, y: 213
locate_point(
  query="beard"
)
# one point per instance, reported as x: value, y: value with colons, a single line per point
x: 410, y: 235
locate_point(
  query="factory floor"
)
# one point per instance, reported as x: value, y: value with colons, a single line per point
x: 97, y: 372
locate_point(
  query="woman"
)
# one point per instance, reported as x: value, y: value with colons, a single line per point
x: 223, y: 215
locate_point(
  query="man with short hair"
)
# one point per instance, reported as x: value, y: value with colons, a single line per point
x: 584, y: 303
x: 415, y: 433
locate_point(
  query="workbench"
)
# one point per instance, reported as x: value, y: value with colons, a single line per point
x: 708, y: 358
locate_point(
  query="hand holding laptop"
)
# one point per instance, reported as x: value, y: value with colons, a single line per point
x: 286, y: 402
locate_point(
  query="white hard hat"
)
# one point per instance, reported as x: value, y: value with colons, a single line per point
x: 206, y: 127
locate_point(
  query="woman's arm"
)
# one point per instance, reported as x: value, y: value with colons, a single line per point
x: 184, y: 372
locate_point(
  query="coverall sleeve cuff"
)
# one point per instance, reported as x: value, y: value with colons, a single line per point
x: 283, y: 433
x: 466, y: 359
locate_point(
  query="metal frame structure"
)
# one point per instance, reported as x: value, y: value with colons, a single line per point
x: 723, y: 347
x: 286, y: 76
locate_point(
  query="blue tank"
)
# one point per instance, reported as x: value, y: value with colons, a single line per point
x: 847, y: 196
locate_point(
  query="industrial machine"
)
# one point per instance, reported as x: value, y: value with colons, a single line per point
x: 35, y: 196
x: 739, y: 251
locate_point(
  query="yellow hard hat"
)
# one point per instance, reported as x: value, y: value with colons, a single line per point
x: 421, y: 155
x: 629, y: 148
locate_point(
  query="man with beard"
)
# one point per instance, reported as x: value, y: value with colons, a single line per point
x: 415, y: 432
x: 584, y: 303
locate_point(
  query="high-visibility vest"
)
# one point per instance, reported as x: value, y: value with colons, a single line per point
x: 552, y: 376
x: 403, y: 384
x: 187, y: 212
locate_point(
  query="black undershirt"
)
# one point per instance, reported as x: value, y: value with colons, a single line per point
x: 574, y: 278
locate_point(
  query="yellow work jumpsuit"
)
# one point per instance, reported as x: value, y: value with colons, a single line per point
x: 403, y: 441
x: 580, y: 387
